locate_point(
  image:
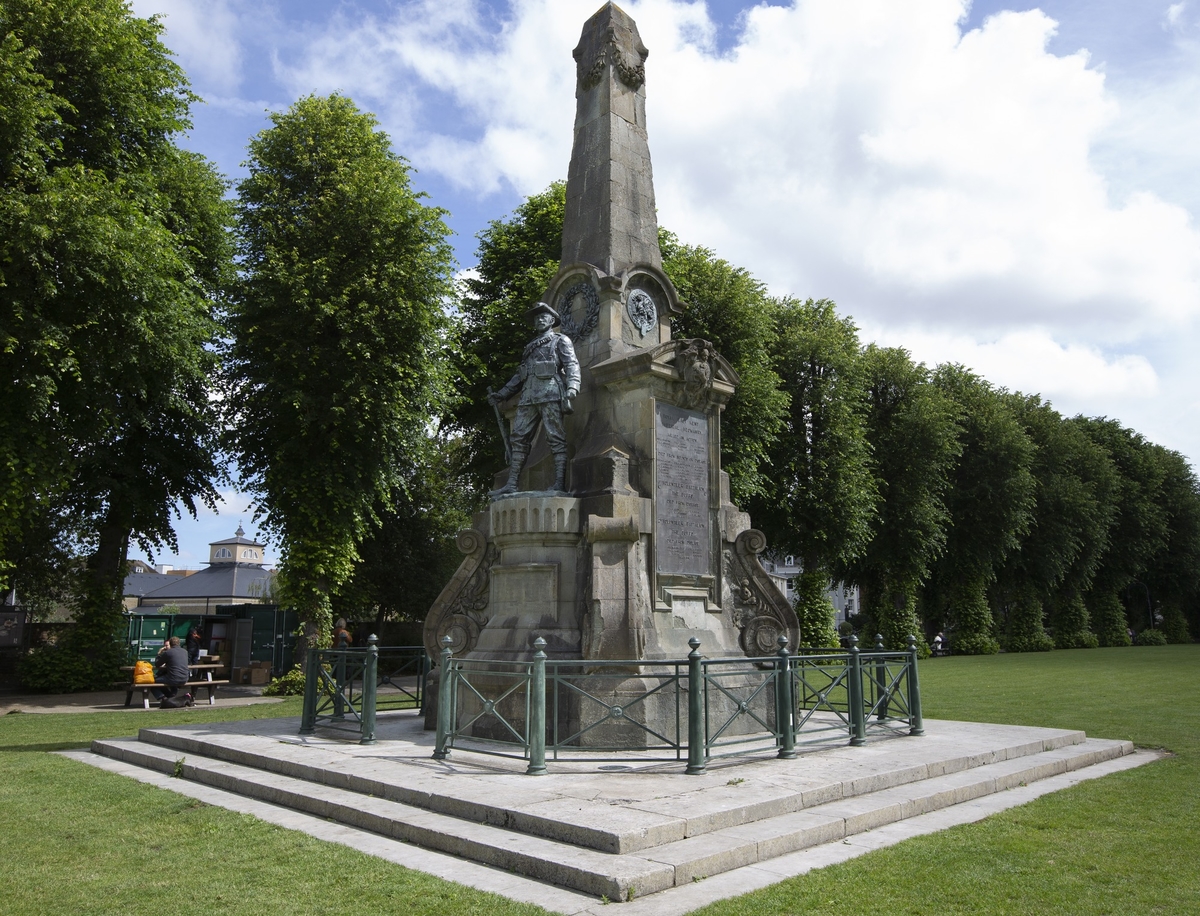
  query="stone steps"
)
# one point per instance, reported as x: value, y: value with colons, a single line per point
x: 572, y: 831
x: 597, y: 873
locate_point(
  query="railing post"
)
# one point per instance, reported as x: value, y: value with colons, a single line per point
x: 443, y: 710
x: 916, y: 723
x: 370, y: 675
x: 422, y: 678
x: 308, y: 718
x: 783, y: 701
x: 858, y: 721
x: 537, y: 711
x: 881, y: 679
x: 697, y: 752
x: 339, y: 698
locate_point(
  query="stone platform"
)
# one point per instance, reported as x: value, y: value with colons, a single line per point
x: 600, y: 829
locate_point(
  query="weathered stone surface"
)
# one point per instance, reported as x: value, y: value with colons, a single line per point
x: 603, y: 833
x: 682, y: 471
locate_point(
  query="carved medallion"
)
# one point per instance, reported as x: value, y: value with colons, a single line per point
x: 642, y: 311
x: 591, y: 314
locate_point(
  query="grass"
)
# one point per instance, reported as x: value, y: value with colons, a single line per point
x: 83, y: 841
x: 1126, y: 844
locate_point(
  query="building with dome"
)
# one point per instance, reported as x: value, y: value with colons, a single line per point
x: 235, y: 575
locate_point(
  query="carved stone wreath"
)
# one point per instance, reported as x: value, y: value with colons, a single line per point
x: 642, y: 311
x: 591, y: 315
x: 630, y: 71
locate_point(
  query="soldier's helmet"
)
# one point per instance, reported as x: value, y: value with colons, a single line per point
x: 540, y: 308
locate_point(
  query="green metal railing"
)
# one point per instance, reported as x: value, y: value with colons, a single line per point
x: 401, y: 677
x: 342, y: 686
x: 696, y: 708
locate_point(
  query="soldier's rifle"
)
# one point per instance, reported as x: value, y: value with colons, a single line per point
x: 503, y: 427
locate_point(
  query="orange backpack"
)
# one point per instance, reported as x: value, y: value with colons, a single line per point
x: 143, y: 673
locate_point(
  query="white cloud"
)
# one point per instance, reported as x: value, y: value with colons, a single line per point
x: 1174, y: 17
x: 1032, y: 361
x: 867, y: 151
x: 205, y: 35
x: 970, y: 184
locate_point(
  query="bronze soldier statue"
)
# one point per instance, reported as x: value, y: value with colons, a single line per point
x: 548, y: 381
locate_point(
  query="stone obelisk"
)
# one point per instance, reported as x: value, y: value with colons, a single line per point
x: 645, y: 549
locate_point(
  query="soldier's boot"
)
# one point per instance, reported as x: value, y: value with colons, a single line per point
x: 514, y: 472
x: 560, y: 473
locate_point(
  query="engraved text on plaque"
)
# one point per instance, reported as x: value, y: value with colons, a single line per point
x: 681, y: 511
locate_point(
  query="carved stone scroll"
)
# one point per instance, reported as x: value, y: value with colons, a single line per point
x: 761, y: 612
x: 458, y: 610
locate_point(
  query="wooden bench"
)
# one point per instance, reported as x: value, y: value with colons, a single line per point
x: 189, y: 687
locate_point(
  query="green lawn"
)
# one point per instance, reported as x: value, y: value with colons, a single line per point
x: 80, y: 841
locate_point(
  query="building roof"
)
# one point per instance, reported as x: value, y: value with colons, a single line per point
x: 239, y: 537
x: 220, y: 580
x: 138, y: 584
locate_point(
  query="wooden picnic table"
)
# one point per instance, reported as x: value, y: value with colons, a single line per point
x: 199, y: 675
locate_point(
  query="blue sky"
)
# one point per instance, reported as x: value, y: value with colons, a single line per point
x: 1008, y: 185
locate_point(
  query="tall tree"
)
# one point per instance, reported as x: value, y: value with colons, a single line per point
x: 406, y: 559
x: 913, y: 436
x: 1139, y: 530
x: 726, y: 305
x: 1172, y: 576
x: 113, y: 252
x: 335, y: 364
x: 1071, y: 516
x: 990, y: 500
x: 823, y: 496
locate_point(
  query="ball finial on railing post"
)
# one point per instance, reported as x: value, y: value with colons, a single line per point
x: 697, y: 755
x: 444, y: 721
x: 916, y: 724
x: 537, y: 711
x: 784, y: 724
x: 858, y: 719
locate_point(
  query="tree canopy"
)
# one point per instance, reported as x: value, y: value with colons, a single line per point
x: 822, y: 501
x: 912, y: 430
x: 113, y: 254
x: 991, y: 498
x: 334, y: 367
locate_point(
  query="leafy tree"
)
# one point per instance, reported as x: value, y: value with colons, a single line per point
x: 113, y: 251
x: 990, y: 501
x: 914, y: 445
x: 404, y: 562
x: 727, y: 306
x: 1172, y: 576
x: 1068, y: 530
x: 335, y: 363
x: 823, y: 496
x: 1139, y: 530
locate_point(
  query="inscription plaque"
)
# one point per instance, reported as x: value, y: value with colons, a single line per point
x: 681, y: 513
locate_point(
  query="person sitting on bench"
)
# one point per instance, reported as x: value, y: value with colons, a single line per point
x: 172, y: 669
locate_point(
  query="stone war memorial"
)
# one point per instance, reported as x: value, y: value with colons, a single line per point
x: 611, y: 534
x: 610, y: 614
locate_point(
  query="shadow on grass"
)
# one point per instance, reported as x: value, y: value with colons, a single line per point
x: 34, y: 748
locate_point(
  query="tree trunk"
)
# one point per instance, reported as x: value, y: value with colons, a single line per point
x: 99, y: 615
